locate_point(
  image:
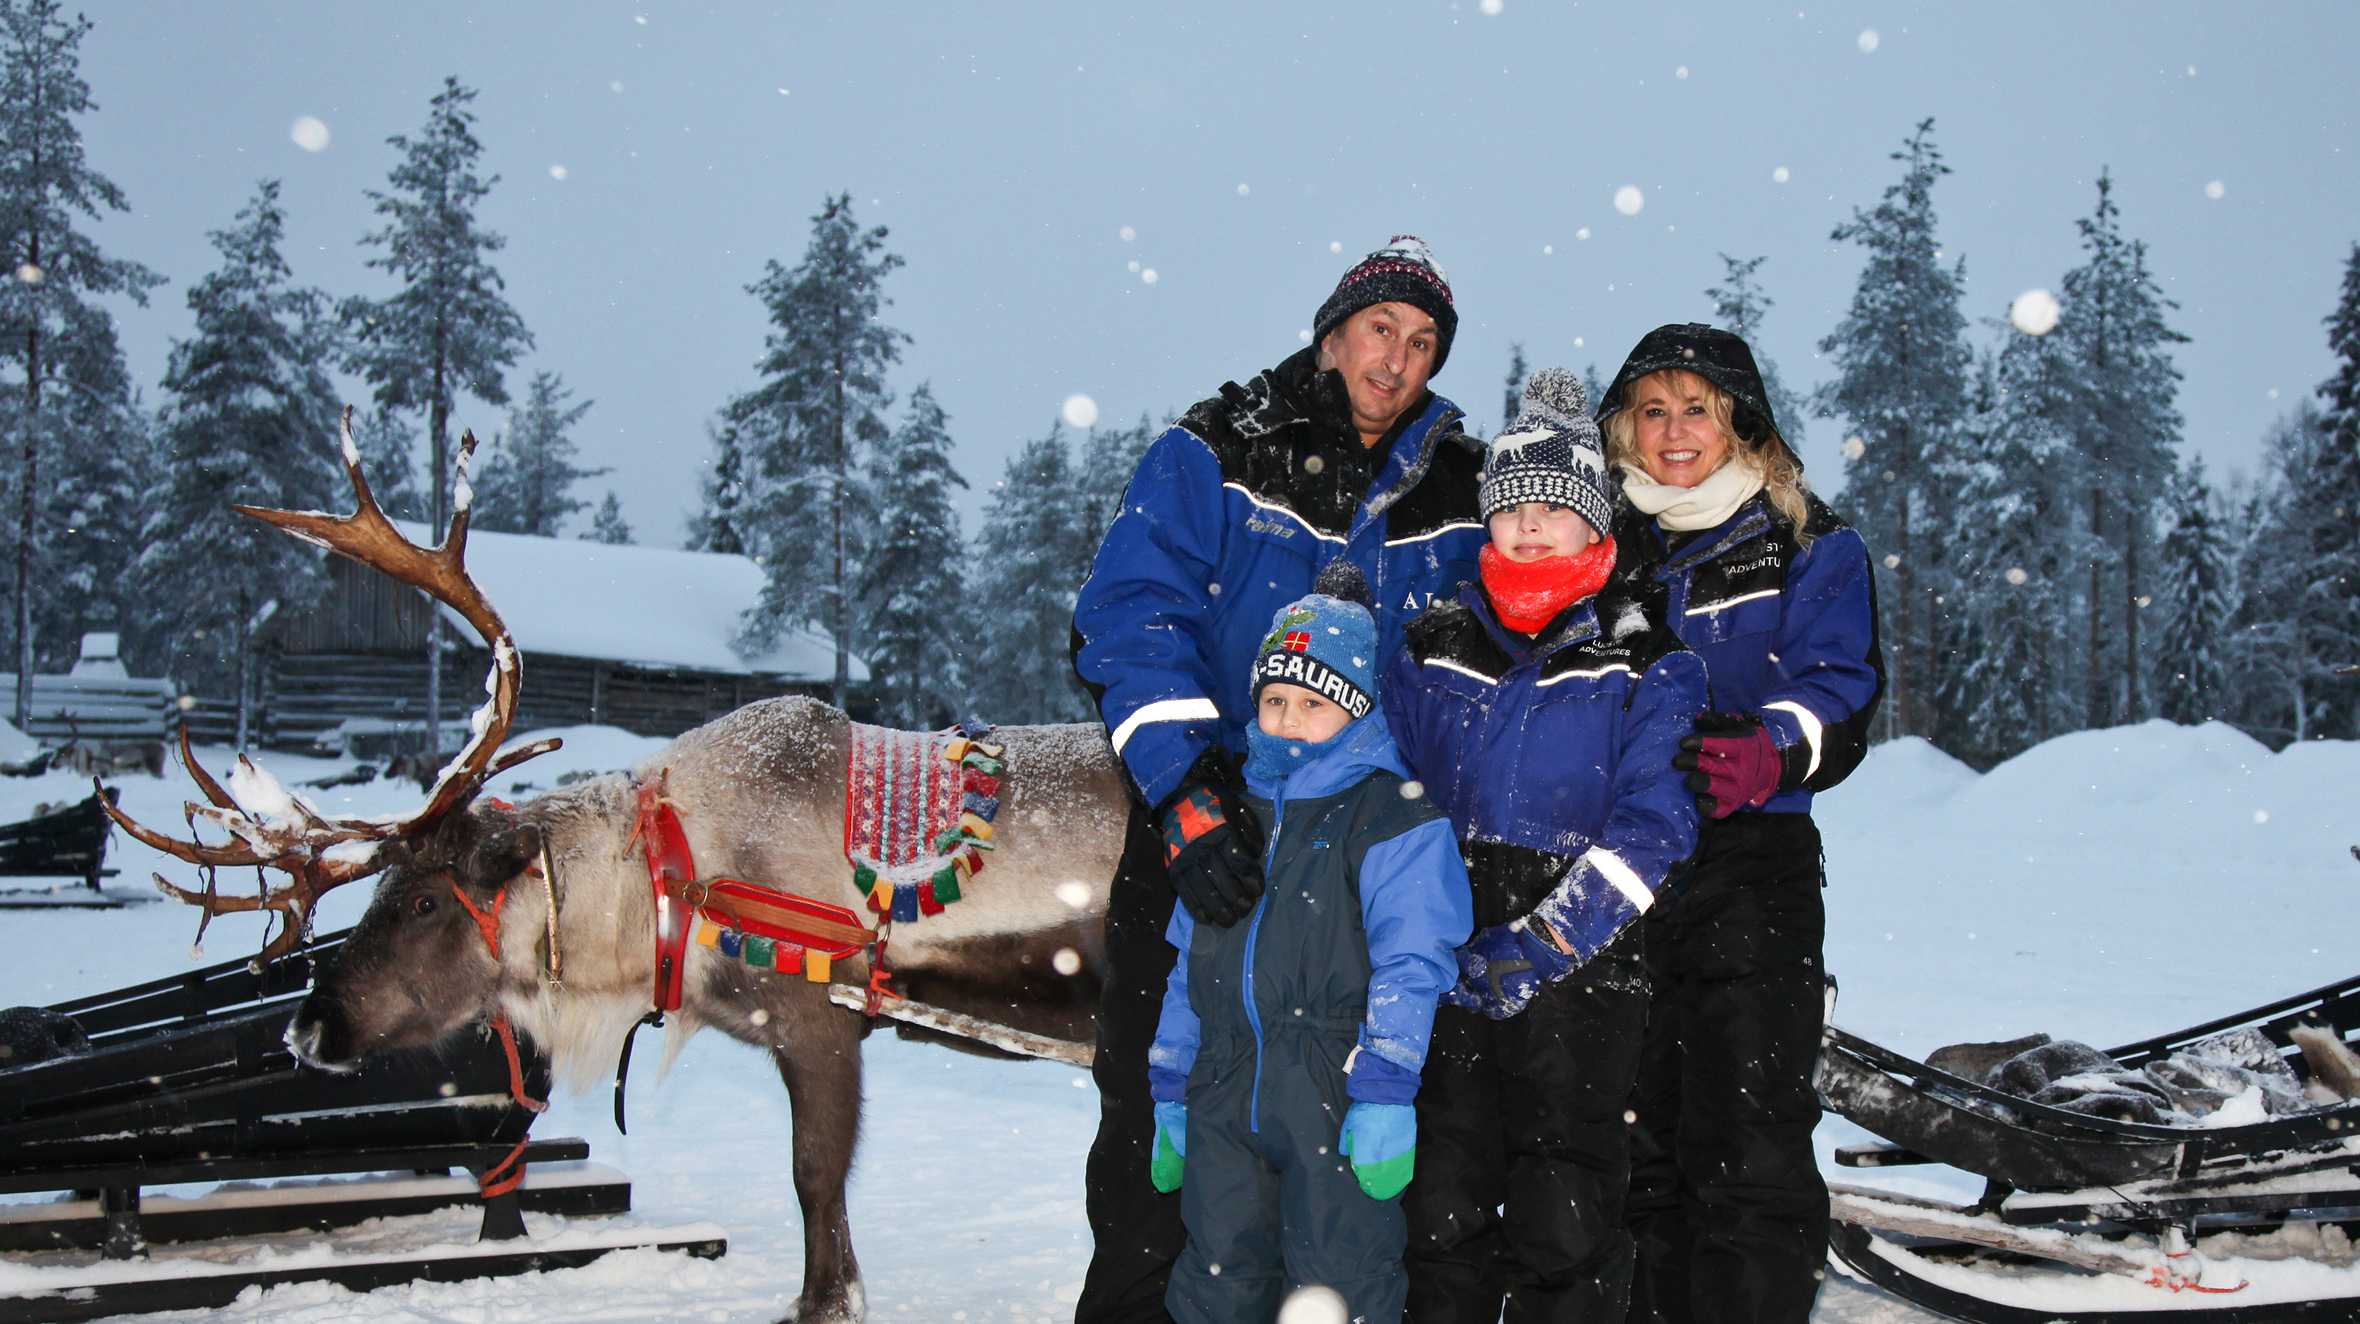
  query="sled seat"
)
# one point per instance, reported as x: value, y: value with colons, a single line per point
x: 65, y: 843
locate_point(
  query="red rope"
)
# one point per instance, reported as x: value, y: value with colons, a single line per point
x: 488, y: 923
x: 508, y: 1173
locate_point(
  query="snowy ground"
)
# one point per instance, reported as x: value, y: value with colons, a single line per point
x: 2101, y: 887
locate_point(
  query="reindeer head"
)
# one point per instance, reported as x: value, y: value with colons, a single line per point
x: 269, y: 826
x: 423, y: 961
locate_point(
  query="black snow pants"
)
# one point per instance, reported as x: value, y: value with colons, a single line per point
x: 1726, y: 1205
x: 1524, y: 1156
x: 1269, y: 1202
x: 1136, y: 1230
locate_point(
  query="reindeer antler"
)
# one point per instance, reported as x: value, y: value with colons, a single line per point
x: 272, y: 827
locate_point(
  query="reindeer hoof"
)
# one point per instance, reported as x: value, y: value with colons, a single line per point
x: 847, y: 1306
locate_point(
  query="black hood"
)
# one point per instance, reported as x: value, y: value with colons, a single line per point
x: 1718, y: 356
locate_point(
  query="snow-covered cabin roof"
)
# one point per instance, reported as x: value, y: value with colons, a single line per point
x: 650, y: 606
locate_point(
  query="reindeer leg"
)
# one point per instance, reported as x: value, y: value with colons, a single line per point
x: 822, y: 1075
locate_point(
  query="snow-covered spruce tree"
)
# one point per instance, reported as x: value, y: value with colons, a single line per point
x: 2198, y: 603
x: 2332, y: 569
x: 1901, y: 366
x: 525, y: 484
x: 251, y: 419
x: 913, y: 587
x: 1108, y: 459
x: 808, y: 427
x: 1514, y: 395
x: 608, y: 525
x: 1739, y: 305
x: 450, y: 327
x: 62, y: 368
x: 717, y: 526
x: 1031, y: 559
x: 389, y: 460
x: 2126, y: 434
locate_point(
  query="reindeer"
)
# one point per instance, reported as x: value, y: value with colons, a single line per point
x: 541, y: 913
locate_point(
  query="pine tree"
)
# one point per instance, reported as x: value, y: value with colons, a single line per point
x: 1901, y: 364
x: 251, y: 420
x: 608, y: 525
x: 913, y: 588
x: 1513, y: 399
x: 717, y: 525
x: 450, y: 328
x: 527, y: 484
x: 1032, y: 559
x: 1108, y: 460
x: 2277, y: 680
x: 2331, y: 570
x: 1739, y: 305
x: 808, y: 428
x: 2127, y: 430
x: 389, y: 460
x: 71, y: 388
x: 2198, y: 608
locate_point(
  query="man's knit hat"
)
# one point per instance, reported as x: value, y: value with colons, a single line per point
x: 1403, y: 271
x: 1325, y: 641
x: 1550, y: 453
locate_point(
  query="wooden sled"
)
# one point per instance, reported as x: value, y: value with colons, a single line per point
x: 188, y: 1080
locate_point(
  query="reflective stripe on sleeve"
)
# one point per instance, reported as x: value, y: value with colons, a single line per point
x: 1811, y: 728
x: 1164, y: 710
x: 1610, y: 866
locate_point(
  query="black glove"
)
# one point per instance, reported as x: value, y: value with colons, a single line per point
x: 1212, y: 848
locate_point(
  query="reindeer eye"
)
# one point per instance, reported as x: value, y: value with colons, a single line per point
x: 422, y: 904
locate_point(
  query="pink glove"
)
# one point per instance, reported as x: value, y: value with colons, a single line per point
x: 1731, y: 764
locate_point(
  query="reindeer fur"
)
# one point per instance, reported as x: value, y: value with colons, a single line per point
x: 760, y: 793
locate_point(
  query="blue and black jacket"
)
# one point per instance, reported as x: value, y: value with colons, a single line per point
x: 1553, y: 753
x: 1338, y: 970
x: 1230, y: 516
x: 1787, y: 627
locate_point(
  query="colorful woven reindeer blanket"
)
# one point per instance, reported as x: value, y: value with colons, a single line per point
x: 918, y: 811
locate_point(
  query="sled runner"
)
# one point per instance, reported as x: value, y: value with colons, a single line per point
x: 188, y: 1080
x: 2086, y: 1218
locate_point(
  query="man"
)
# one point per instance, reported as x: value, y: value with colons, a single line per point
x: 1339, y: 451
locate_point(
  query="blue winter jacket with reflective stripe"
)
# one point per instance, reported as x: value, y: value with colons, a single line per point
x: 1229, y: 517
x: 1787, y: 629
x: 1553, y: 755
x: 1367, y: 902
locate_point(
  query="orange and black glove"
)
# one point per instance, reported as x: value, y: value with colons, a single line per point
x: 1212, y: 848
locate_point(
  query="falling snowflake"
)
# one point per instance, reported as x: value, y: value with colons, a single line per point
x: 1892, y: 562
x: 310, y: 133
x: 1147, y: 276
x: 2261, y: 815
x: 1080, y: 411
x: 1323, y: 1305
x: 785, y: 93
x: 1578, y: 342
x: 1335, y: 245
x: 1413, y: 790
x: 1304, y: 335
x: 2015, y: 576
x: 1869, y: 41
x: 1313, y: 464
x: 614, y: 85
x: 557, y: 171
x: 29, y: 273
x: 1244, y: 189
x: 1067, y: 961
x: 1491, y: 8
x: 1628, y: 199
x: 1781, y: 175
x: 2034, y: 312
x: 1681, y: 72
x: 1128, y: 234
x: 1854, y: 448
x: 1133, y: 266
x: 1582, y: 233
x: 1075, y: 895
x: 1548, y: 249
x: 2215, y: 190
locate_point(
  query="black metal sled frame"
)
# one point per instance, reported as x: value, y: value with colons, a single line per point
x: 2086, y: 1173
x: 188, y: 1080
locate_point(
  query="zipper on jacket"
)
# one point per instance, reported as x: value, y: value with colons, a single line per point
x: 1278, y: 815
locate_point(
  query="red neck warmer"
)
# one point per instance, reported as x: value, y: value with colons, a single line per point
x: 1527, y: 595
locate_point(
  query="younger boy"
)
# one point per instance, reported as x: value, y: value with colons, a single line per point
x: 1286, y: 1063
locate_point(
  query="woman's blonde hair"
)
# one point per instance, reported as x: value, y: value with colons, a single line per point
x: 1782, y: 471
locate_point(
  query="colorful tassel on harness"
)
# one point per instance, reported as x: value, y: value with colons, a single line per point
x: 761, y: 953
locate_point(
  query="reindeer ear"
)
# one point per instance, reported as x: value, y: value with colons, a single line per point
x: 507, y: 854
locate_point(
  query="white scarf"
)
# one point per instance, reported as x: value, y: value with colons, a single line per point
x: 1704, y: 506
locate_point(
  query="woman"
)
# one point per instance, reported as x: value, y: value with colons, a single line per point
x: 1541, y: 711
x: 1775, y: 593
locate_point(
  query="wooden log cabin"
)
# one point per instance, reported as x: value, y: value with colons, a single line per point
x: 634, y: 637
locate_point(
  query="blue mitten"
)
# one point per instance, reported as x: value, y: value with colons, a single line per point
x: 1506, y: 965
x: 1381, y: 1139
x: 1171, y: 1146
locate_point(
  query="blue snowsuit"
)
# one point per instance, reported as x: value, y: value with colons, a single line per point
x: 1272, y: 1027
x: 1553, y: 756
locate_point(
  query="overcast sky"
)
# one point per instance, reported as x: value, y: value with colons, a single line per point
x: 1027, y: 157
